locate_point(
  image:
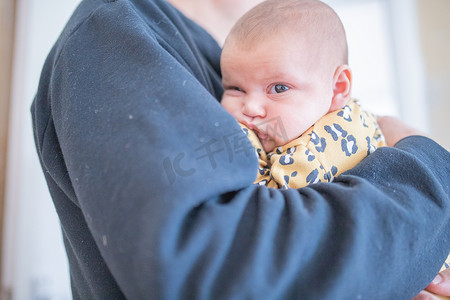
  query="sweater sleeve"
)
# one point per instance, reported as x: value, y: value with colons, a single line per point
x: 148, y: 161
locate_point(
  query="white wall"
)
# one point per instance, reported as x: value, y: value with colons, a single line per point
x: 370, y: 55
x: 35, y: 265
x: 435, y: 40
x: 384, y: 54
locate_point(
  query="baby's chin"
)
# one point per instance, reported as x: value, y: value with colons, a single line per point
x: 269, y: 145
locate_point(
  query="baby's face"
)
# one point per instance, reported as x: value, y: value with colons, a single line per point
x: 275, y: 88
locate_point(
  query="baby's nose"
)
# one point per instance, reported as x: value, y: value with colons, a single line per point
x: 253, y: 107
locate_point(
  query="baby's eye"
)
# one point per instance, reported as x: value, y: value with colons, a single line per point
x: 235, y: 88
x: 278, y: 89
x: 234, y: 91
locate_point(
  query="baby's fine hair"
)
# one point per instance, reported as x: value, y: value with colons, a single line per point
x: 312, y: 18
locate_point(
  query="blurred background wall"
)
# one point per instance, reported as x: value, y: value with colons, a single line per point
x: 399, y: 52
x: 34, y: 265
x: 434, y: 32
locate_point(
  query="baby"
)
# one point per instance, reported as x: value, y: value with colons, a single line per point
x: 286, y: 78
x: 287, y: 82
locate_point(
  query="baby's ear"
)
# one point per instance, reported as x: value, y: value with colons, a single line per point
x: 342, y: 86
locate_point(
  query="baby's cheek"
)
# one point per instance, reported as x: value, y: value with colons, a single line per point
x: 233, y: 113
x: 284, y: 136
x: 232, y: 109
x: 295, y: 128
x: 227, y: 104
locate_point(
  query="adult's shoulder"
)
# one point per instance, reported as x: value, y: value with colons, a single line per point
x: 134, y: 27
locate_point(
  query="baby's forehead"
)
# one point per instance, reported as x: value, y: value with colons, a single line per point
x: 282, y: 35
x: 299, y: 24
x: 275, y: 57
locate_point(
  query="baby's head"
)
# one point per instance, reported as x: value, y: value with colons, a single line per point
x: 285, y: 60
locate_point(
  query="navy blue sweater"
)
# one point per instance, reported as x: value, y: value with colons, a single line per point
x: 152, y: 180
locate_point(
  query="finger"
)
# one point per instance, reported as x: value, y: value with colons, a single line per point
x: 424, y: 295
x: 441, y: 284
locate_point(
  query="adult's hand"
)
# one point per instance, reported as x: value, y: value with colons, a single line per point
x: 438, y: 289
x: 394, y: 129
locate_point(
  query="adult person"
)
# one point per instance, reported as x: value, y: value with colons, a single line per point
x: 152, y: 180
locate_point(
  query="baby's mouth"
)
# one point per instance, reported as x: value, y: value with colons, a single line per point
x: 261, y: 135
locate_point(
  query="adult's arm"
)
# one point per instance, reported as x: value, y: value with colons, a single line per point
x: 395, y: 130
x: 157, y: 179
